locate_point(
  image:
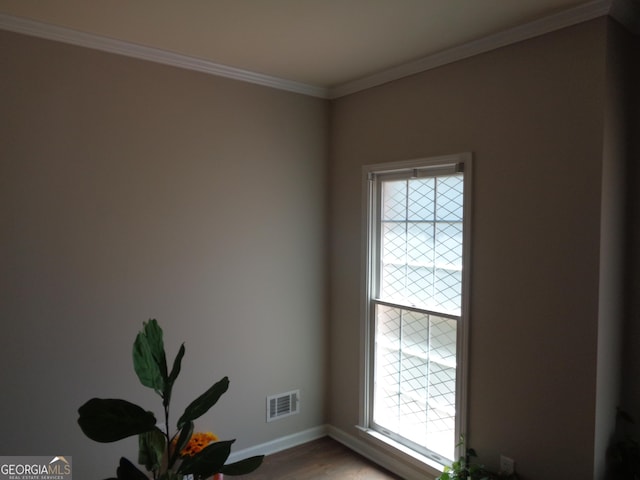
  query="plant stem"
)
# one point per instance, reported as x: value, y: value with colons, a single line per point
x: 166, y: 433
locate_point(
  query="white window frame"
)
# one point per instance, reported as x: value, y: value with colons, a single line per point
x: 433, y: 165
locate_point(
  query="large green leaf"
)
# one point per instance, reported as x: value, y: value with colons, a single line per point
x: 208, y: 461
x: 128, y: 471
x: 176, y: 364
x: 204, y: 402
x: 107, y: 419
x: 149, y: 359
x: 151, y: 447
x: 175, y: 371
x: 243, y: 467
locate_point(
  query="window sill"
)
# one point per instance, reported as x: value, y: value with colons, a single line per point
x: 413, y: 458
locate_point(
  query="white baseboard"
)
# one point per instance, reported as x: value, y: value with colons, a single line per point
x: 280, y: 444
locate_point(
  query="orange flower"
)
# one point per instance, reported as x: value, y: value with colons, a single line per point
x: 197, y: 442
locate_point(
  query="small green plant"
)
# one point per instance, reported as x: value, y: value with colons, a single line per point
x: 108, y: 420
x: 464, y: 469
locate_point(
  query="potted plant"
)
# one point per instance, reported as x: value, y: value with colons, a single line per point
x: 464, y: 469
x: 165, y: 455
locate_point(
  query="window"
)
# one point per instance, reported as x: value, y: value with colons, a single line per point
x: 415, y: 302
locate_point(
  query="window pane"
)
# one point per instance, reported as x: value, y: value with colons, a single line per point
x: 448, y: 244
x: 393, y: 283
x: 387, y: 353
x: 394, y: 242
x: 448, y: 290
x: 415, y: 377
x: 449, y: 198
x: 420, y: 243
x: 394, y: 203
x: 413, y: 398
x: 421, y: 204
x: 421, y: 256
x: 442, y: 386
x: 419, y: 290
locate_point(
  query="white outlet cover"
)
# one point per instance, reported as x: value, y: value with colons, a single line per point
x: 507, y: 465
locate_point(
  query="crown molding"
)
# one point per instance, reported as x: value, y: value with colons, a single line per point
x: 627, y: 12
x: 566, y: 18
x: 106, y: 44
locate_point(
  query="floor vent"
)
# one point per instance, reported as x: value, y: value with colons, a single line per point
x: 282, y: 405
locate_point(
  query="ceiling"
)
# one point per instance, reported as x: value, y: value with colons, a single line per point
x: 326, y: 44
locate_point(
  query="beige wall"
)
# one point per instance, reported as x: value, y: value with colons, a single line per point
x: 532, y: 114
x: 130, y: 190
x: 632, y: 334
x: 617, y: 157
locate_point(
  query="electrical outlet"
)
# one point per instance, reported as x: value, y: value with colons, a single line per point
x: 507, y: 465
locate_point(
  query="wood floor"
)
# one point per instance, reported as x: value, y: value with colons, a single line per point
x: 320, y: 459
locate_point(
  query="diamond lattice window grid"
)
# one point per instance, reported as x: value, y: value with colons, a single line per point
x: 415, y: 295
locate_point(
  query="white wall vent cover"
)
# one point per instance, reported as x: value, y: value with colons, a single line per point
x: 282, y: 405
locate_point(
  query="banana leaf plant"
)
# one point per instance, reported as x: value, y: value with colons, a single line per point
x: 109, y: 420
